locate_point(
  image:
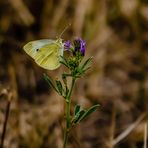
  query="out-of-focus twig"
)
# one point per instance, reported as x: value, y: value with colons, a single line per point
x: 80, y: 12
x: 145, y: 135
x: 22, y: 11
x: 102, y: 32
x: 112, y: 127
x: 9, y: 98
x: 59, y: 12
x: 129, y: 129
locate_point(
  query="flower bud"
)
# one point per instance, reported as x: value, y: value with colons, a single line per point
x: 79, y: 46
x: 67, y: 45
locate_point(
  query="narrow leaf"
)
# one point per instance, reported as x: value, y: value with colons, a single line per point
x: 86, y: 68
x: 67, y: 90
x: 64, y: 61
x: 77, y: 109
x: 47, y: 79
x: 87, y: 62
x: 78, y: 116
x: 64, y: 64
x: 89, y: 111
x: 59, y: 86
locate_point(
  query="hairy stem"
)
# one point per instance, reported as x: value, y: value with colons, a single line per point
x: 67, y: 110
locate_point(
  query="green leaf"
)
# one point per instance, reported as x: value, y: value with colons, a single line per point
x: 64, y: 79
x: 89, y: 111
x: 64, y: 64
x: 77, y: 109
x: 64, y: 76
x: 86, y: 68
x: 64, y: 61
x: 66, y: 94
x: 87, y: 63
x: 47, y: 79
x: 59, y: 86
x: 78, y: 116
x: 67, y: 91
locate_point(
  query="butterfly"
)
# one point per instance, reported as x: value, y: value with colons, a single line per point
x: 45, y: 52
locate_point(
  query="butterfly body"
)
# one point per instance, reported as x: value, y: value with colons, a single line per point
x: 46, y: 53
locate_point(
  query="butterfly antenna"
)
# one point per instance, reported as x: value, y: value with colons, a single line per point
x: 64, y: 30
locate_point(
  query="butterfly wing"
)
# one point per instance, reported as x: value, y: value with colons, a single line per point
x: 49, y: 56
x: 46, y: 53
x: 32, y: 47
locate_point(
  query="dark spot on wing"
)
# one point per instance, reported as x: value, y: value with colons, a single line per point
x: 37, y: 50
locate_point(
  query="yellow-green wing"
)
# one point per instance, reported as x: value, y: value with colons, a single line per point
x: 48, y: 56
x: 32, y: 47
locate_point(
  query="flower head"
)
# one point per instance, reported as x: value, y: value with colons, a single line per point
x: 67, y: 45
x: 83, y: 47
x: 80, y: 46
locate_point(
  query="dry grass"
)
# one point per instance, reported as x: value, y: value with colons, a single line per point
x: 116, y: 32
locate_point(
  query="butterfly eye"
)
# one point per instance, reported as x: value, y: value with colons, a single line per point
x: 37, y: 50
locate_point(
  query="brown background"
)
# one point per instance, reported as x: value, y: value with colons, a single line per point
x: 116, y: 32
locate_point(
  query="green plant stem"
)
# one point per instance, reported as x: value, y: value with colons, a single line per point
x: 66, y: 130
x: 67, y: 110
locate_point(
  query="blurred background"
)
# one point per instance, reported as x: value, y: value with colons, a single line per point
x: 116, y: 32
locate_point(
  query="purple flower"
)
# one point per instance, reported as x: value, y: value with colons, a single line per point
x: 80, y: 45
x: 67, y: 45
x: 83, y: 47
